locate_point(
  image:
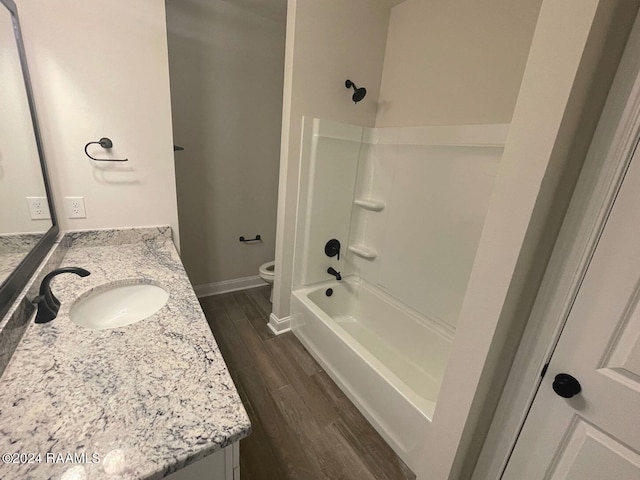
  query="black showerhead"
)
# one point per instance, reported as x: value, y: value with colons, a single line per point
x: 358, y: 93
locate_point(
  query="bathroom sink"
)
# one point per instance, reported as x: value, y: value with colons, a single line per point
x: 117, y: 305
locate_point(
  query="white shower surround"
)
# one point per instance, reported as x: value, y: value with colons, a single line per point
x: 384, y: 335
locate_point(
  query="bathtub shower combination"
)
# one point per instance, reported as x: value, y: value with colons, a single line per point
x: 407, y: 207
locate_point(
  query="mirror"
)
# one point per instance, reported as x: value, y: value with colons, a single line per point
x: 27, y: 220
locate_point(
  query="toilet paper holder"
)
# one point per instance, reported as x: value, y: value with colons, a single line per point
x: 256, y: 239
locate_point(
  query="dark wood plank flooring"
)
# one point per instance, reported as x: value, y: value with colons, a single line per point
x: 304, y: 428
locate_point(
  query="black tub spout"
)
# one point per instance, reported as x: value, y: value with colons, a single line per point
x: 332, y: 271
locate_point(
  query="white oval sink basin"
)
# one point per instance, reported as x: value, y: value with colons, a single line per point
x: 118, y: 305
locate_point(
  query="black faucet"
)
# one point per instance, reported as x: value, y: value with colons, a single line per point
x: 332, y: 271
x: 48, y: 304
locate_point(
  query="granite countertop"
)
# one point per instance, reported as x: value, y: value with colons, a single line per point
x: 144, y: 400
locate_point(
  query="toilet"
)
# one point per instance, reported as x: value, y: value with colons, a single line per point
x: 266, y: 272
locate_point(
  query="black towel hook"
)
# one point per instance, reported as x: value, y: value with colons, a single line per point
x: 105, y: 143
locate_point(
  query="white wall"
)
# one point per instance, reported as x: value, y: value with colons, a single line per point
x: 450, y: 63
x: 227, y: 66
x: 328, y: 42
x: 99, y: 68
x: 20, y: 172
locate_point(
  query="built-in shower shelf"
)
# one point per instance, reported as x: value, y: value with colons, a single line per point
x: 370, y: 204
x: 362, y: 251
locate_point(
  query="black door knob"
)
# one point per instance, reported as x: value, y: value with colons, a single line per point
x: 566, y: 386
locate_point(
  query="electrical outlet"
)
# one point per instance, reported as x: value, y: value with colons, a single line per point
x: 75, y: 207
x: 38, y: 208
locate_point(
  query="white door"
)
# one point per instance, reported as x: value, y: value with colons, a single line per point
x: 595, y: 434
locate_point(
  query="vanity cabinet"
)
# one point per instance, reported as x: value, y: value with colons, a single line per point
x: 221, y: 465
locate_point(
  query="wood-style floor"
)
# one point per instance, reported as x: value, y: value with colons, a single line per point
x: 304, y: 428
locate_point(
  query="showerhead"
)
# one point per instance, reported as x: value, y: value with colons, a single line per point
x: 358, y: 93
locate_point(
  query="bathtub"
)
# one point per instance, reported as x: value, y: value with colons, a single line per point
x: 386, y: 358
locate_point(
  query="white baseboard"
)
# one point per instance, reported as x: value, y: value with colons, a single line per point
x: 228, y: 286
x: 279, y: 325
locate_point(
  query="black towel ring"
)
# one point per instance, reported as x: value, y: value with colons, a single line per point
x: 105, y: 143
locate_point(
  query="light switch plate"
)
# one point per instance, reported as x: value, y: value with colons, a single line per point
x: 75, y: 207
x: 38, y: 208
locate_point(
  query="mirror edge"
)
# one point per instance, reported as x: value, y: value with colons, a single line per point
x: 18, y: 279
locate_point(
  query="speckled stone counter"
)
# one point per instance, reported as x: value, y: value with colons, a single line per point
x: 15, y: 322
x: 145, y: 399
